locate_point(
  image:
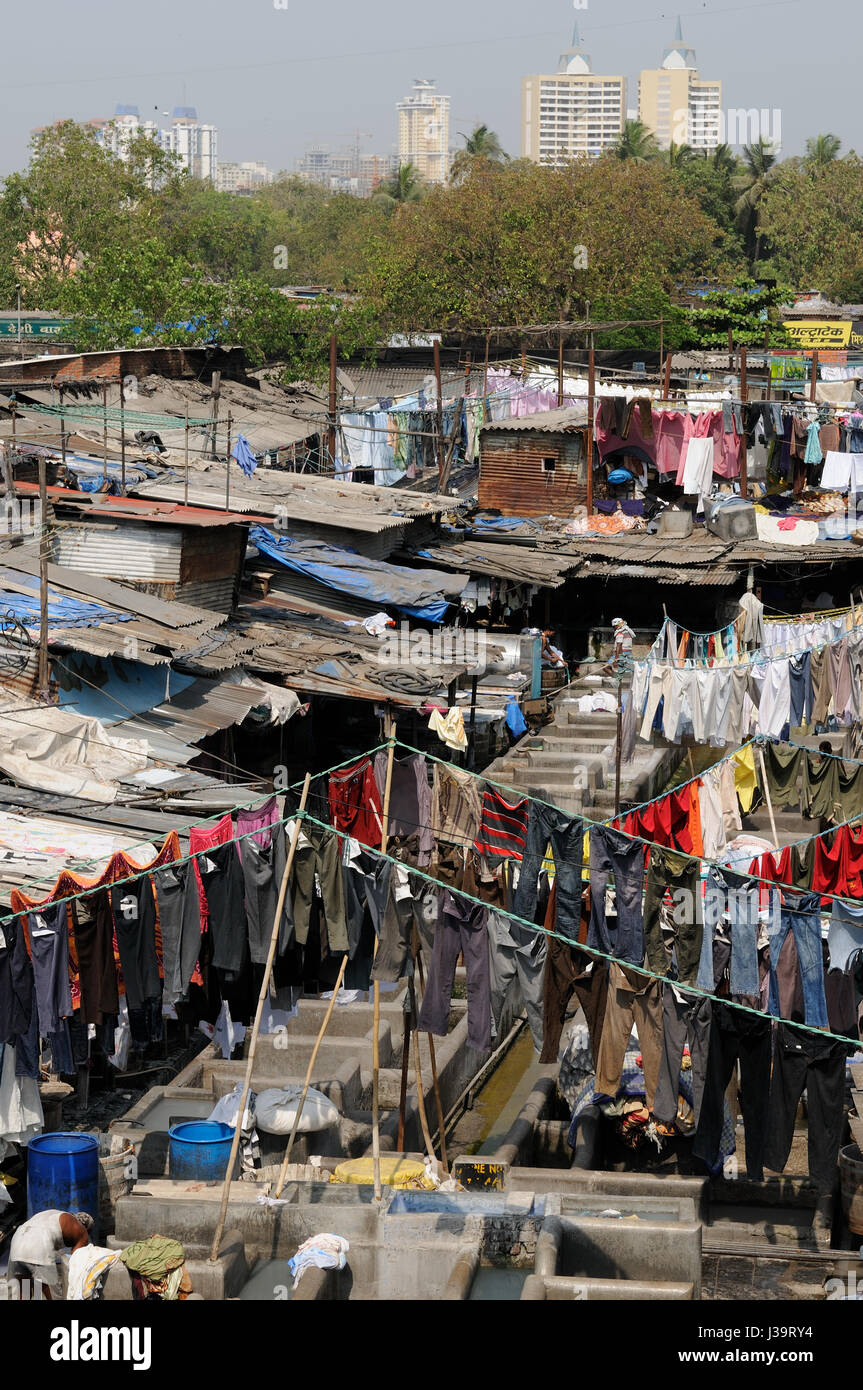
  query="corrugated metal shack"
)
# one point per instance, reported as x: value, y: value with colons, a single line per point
x: 535, y: 466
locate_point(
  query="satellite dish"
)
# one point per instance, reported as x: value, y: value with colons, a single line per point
x: 345, y: 381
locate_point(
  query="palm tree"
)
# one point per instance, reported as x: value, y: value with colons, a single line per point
x: 723, y: 159
x: 758, y: 172
x: 483, y: 144
x: 677, y: 155
x: 404, y: 186
x: 636, y: 142
x: 821, y: 150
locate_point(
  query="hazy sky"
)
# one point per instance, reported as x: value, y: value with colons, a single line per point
x: 274, y: 80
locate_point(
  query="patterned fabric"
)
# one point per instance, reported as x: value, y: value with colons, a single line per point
x: 503, y: 826
x: 456, y: 806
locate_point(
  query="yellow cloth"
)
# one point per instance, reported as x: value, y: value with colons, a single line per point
x: 395, y: 1172
x: 745, y: 781
x: 449, y: 728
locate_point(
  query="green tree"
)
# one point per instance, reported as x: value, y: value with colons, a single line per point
x: 404, y: 186
x: 813, y: 219
x: 742, y: 309
x: 758, y: 172
x: 636, y: 143
x: 821, y: 150
x: 481, y: 144
x: 677, y: 156
x: 723, y: 159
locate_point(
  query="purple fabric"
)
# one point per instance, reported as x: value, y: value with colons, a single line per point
x: 259, y: 818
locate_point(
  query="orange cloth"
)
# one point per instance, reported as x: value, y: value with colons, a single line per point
x: 695, y: 820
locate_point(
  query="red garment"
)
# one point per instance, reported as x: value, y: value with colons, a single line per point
x: 208, y: 837
x: 355, y: 803
x: 773, y: 869
x: 830, y: 871
x: 853, y: 861
x: 666, y: 822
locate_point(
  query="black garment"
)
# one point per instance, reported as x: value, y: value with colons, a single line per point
x: 397, y: 903
x: 135, y: 923
x: 222, y: 876
x: 93, y: 930
x: 801, y: 1060
x: 180, y: 919
x: 546, y: 825
x: 263, y: 868
x: 25, y: 1013
x: 7, y: 941
x: 735, y: 1035
x: 318, y: 856
x: 49, y: 951
x: 461, y: 927
x: 569, y: 971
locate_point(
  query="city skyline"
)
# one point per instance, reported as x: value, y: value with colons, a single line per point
x: 296, y: 81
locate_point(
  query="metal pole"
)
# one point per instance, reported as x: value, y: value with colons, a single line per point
x: 591, y: 394
x: 618, y: 749
x: 12, y: 412
x: 814, y: 381
x: 228, y: 467
x: 44, y: 685
x: 18, y: 291
x: 731, y: 349
x: 744, y: 396
x: 104, y: 433
x: 331, y: 433
x: 666, y: 390
x: 186, y: 456
x: 467, y: 364
x: 62, y: 434
x: 215, y: 391
x: 440, y: 440
x: 376, y: 994
x: 122, y: 437
x: 560, y: 369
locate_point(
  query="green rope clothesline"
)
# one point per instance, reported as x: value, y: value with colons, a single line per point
x: 115, y: 416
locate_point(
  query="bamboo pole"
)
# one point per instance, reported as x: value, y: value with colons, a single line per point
x: 376, y: 989
x: 766, y: 789
x: 256, y: 1027
x: 309, y: 1070
x: 437, y: 1095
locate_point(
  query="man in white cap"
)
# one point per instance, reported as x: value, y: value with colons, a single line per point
x: 622, y: 655
x: 36, y: 1245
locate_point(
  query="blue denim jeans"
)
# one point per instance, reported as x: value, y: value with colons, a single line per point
x: 549, y: 826
x: 802, y: 916
x: 612, y: 853
x: 728, y: 892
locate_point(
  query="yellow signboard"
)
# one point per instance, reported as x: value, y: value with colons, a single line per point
x: 812, y: 334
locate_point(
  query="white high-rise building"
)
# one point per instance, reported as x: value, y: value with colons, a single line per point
x: 195, y: 145
x: 244, y: 177
x: 680, y: 107
x: 424, y: 131
x: 573, y: 113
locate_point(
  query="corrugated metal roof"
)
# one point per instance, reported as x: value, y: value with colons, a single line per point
x: 572, y: 417
x: 523, y: 564
x: 121, y: 550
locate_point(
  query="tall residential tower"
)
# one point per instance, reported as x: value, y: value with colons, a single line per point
x: 571, y: 113
x: 678, y: 105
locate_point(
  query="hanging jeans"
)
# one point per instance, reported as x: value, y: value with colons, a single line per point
x: 516, y: 952
x: 729, y: 892
x: 263, y: 868
x: 633, y: 998
x: 180, y: 920
x: 802, y: 916
x: 396, y: 903
x: 736, y: 1036
x: 25, y: 1008
x: 545, y: 826
x: 685, y: 1021
x: 846, y: 933
x: 49, y: 950
x: 800, y: 682
x: 568, y: 971
x: 613, y: 853
x: 669, y: 871
x: 803, y: 1060
x: 462, y: 927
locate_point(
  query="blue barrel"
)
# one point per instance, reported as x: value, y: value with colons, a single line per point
x: 199, y: 1149
x: 63, y: 1173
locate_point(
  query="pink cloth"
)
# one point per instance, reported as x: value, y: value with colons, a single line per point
x: 208, y: 837
x: 672, y: 430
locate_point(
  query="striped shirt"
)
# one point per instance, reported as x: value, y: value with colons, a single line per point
x: 456, y: 806
x: 503, y: 827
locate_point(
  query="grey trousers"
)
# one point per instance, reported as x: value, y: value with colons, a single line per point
x: 461, y: 927
x: 513, y: 950
x: 682, y: 1023
x: 263, y: 868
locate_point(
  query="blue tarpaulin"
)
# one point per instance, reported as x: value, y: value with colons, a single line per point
x: 121, y: 687
x: 63, y: 611
x: 424, y: 594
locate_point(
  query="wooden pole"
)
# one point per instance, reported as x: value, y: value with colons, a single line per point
x: 731, y: 349
x: 485, y: 376
x: 215, y: 392
x: 333, y: 402
x: 467, y: 362
x: 186, y: 458
x: 376, y: 992
x: 591, y: 401
x: 767, y: 798
x: 44, y: 684
x: 256, y: 1026
x: 441, y: 452
x: 744, y: 396
x: 661, y: 339
x: 437, y: 1096
x: 421, y: 1100
x: 63, y: 435
x: 814, y: 382
x: 403, y: 1090
x: 309, y: 1071
x: 12, y: 413
x: 560, y: 368
x: 618, y: 748
x: 228, y: 466
x: 666, y: 390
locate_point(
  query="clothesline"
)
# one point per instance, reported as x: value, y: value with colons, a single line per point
x: 759, y: 658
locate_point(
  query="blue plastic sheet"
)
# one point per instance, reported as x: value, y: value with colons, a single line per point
x: 424, y: 594
x: 63, y: 611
